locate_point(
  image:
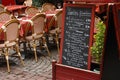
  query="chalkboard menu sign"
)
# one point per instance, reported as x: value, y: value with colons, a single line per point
x: 77, y: 35
x: 116, y: 12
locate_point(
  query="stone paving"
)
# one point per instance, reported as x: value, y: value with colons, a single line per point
x: 42, y: 70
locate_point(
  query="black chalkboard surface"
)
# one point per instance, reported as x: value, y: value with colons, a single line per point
x: 77, y: 35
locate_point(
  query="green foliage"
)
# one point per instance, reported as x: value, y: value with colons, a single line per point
x: 98, y: 44
x: 39, y: 3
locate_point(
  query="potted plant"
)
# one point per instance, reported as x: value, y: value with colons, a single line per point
x: 98, y: 44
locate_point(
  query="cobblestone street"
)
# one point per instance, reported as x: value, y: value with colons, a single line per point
x: 42, y: 70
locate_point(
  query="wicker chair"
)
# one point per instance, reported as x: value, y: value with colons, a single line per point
x: 47, y: 7
x: 55, y: 31
x: 27, y: 3
x: 38, y: 25
x: 31, y: 10
x: 11, y: 31
x: 2, y: 8
x: 5, y: 16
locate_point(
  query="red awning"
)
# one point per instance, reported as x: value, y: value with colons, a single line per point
x: 8, y: 2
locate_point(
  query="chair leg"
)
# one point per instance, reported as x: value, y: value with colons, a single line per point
x: 45, y: 44
x: 29, y: 46
x: 57, y: 41
x: 18, y: 52
x: 35, y: 51
x: 40, y: 44
x: 7, y: 59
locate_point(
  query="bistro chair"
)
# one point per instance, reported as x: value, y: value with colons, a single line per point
x: 55, y: 31
x: 27, y: 3
x: 11, y: 39
x: 31, y: 10
x: 38, y: 25
x: 2, y: 8
x: 47, y: 7
x: 6, y: 16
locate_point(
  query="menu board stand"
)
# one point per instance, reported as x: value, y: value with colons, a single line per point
x: 63, y: 72
x: 77, y: 35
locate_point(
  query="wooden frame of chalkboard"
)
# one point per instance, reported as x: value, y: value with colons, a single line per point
x: 116, y: 13
x: 77, y: 35
x: 93, y: 1
x: 63, y: 72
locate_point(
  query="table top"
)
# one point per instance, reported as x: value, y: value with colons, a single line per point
x: 15, y: 7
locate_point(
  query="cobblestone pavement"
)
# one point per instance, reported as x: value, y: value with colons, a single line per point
x: 42, y: 70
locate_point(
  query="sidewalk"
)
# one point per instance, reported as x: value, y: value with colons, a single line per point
x: 42, y: 70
